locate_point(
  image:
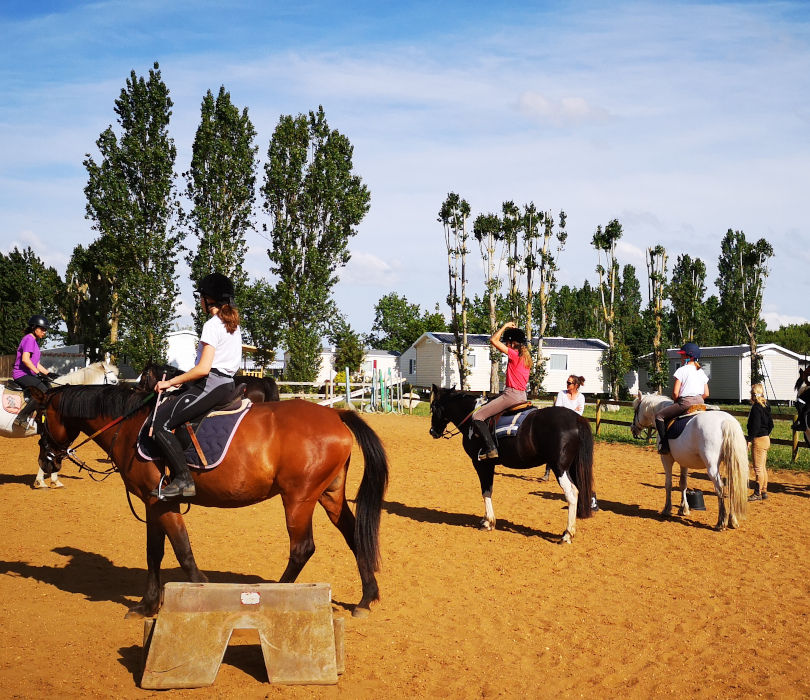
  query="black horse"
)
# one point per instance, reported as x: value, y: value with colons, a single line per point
x: 556, y: 436
x: 257, y: 389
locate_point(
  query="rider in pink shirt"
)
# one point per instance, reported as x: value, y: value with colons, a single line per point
x: 511, y: 341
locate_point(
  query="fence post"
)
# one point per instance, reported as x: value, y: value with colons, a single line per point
x: 598, y: 415
x: 795, y: 442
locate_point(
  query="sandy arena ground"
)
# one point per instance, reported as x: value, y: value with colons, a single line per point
x: 637, y: 607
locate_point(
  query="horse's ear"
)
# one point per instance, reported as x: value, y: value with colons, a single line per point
x: 639, y: 394
x: 37, y: 394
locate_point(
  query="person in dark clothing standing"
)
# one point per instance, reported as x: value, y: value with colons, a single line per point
x: 760, y: 425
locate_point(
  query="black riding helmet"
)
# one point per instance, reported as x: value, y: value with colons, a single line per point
x: 216, y: 287
x: 38, y: 322
x: 514, y: 335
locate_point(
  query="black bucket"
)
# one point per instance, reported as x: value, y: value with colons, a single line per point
x: 694, y: 499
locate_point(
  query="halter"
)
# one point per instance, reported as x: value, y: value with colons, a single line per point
x: 449, y: 434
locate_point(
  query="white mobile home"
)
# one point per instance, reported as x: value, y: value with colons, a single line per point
x: 431, y: 360
x: 375, y: 361
x: 729, y: 371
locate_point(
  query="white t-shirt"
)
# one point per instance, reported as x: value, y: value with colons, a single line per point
x: 227, y: 346
x: 693, y: 380
x: 577, y: 404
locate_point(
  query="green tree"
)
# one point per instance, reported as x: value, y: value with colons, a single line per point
x: 453, y: 216
x: 795, y: 337
x: 608, y: 269
x: 260, y: 320
x: 27, y: 288
x: 576, y: 313
x: 685, y: 292
x: 399, y: 323
x: 314, y: 201
x: 658, y: 371
x: 221, y: 187
x: 88, y: 300
x: 349, y: 349
x: 487, y: 230
x: 132, y: 202
x: 742, y: 271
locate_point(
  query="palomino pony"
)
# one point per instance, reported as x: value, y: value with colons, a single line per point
x: 257, y: 389
x: 707, y: 440
x: 294, y: 449
x: 556, y: 436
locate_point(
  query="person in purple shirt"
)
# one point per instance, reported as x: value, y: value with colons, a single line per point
x: 27, y: 370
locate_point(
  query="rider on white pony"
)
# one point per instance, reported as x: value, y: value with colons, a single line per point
x: 691, y: 387
x: 27, y: 370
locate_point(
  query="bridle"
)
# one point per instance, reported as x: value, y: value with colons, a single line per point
x: 635, y: 425
x: 68, y: 452
x: 449, y: 433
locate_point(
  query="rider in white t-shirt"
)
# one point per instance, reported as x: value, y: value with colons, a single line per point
x: 691, y: 387
x: 219, y: 355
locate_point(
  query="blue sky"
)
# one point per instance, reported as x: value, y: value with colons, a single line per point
x: 680, y: 119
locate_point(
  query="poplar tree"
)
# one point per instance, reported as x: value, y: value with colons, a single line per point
x: 743, y: 269
x: 132, y: 202
x: 656, y: 257
x: 605, y: 240
x: 488, y: 232
x: 315, y: 201
x: 220, y: 184
x: 685, y: 291
x: 453, y: 215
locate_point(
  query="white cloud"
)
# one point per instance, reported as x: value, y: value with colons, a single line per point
x: 627, y: 252
x: 368, y: 269
x: 775, y: 320
x: 564, y: 112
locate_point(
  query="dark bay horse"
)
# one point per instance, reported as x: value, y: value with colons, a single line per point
x: 556, y: 436
x: 295, y: 449
x: 257, y: 389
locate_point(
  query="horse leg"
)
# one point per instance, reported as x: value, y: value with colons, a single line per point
x: 717, y: 480
x: 486, y: 475
x: 334, y: 503
x: 302, y: 545
x: 571, y: 495
x: 155, y: 544
x: 667, y: 461
x: 684, y: 509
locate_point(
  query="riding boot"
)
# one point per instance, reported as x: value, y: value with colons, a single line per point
x: 24, y: 416
x: 182, y: 483
x: 756, y: 496
x: 663, y: 444
x: 491, y: 452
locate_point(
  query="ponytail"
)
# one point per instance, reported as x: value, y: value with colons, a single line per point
x: 229, y: 315
x: 526, y: 356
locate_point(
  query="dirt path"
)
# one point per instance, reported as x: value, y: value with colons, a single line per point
x: 637, y: 607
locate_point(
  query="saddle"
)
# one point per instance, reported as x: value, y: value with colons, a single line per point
x: 675, y: 426
x: 211, y: 433
x: 507, y: 422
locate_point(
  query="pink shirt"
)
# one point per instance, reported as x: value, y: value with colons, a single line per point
x: 517, y: 373
x: 27, y: 344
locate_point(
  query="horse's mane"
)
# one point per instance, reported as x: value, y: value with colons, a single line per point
x: 92, y: 401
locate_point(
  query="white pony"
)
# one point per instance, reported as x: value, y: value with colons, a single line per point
x: 12, y: 402
x: 707, y: 440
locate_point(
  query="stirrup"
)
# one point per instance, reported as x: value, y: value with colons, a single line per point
x: 492, y: 454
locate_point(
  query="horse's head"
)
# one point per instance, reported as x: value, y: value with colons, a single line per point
x: 154, y: 372
x: 803, y: 382
x: 55, y: 437
x: 110, y: 373
x: 448, y: 406
x: 643, y: 413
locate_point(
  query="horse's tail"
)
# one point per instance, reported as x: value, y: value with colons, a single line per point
x: 734, y: 452
x: 370, y: 494
x: 583, y: 468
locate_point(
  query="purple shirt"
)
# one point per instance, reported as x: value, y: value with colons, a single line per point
x: 27, y: 344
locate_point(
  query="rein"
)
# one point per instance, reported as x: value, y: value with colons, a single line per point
x: 449, y: 434
x: 70, y: 452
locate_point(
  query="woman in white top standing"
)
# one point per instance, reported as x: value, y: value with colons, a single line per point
x: 691, y: 387
x: 571, y: 397
x: 219, y: 355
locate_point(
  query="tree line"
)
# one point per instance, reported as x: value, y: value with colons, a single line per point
x: 119, y: 292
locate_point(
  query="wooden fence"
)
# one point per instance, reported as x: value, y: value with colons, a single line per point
x: 794, y: 444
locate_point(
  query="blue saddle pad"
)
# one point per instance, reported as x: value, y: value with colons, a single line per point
x: 675, y: 428
x: 508, y: 425
x: 214, y: 434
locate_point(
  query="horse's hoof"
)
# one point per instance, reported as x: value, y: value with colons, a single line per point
x: 39, y: 484
x: 566, y: 538
x: 361, y: 612
x: 138, y: 612
x: 486, y: 526
x: 56, y: 485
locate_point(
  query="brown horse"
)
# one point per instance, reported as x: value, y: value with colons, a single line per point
x: 295, y: 449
